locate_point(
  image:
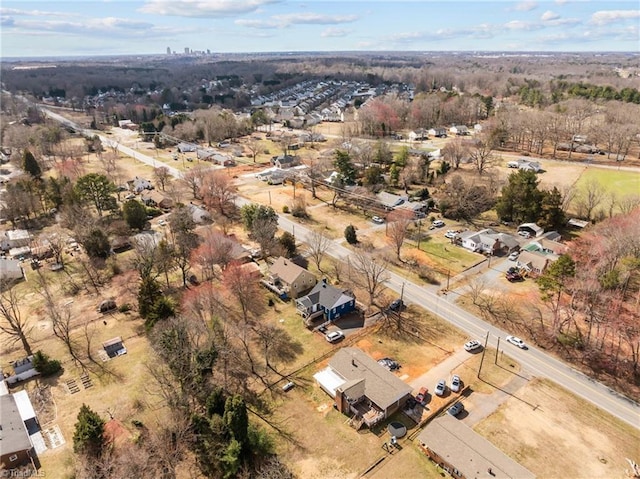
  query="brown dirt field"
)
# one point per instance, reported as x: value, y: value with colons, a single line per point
x: 563, y: 436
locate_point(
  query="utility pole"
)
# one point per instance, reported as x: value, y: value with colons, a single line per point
x: 420, y: 236
x: 484, y: 350
x: 497, y: 350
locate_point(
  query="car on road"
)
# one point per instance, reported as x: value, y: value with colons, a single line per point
x: 396, y: 305
x: 377, y: 220
x: 422, y: 395
x: 456, y: 409
x: 388, y: 363
x: 437, y: 224
x: 334, y: 336
x: 440, y: 388
x: 472, y: 345
x: 130, y: 196
x: 524, y: 234
x: 516, y: 341
x: 513, y: 256
x: 162, y: 223
x: 456, y: 383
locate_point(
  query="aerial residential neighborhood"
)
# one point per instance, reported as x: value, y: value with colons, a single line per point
x: 322, y: 265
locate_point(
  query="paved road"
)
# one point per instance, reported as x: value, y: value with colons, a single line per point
x: 536, y: 361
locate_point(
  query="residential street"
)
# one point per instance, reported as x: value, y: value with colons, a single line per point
x: 534, y: 360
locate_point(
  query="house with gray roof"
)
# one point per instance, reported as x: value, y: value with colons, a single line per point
x: 463, y: 453
x: 361, y: 387
x: 10, y: 270
x: 327, y: 300
x: 15, y: 446
x: 487, y: 241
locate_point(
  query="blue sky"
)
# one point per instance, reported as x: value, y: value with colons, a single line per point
x: 108, y: 27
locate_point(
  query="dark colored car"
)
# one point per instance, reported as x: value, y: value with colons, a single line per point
x: 396, y: 305
x: 389, y: 363
x: 512, y: 277
x: 456, y: 409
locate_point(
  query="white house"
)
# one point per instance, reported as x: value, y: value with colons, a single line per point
x: 10, y: 269
x: 459, y: 130
x: 14, y: 239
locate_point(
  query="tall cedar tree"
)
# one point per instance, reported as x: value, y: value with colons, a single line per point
x: 135, y: 214
x: 30, y: 164
x: 88, y: 437
x: 521, y: 199
x: 345, y: 167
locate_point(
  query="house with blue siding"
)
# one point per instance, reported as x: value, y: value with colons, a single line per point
x: 327, y: 300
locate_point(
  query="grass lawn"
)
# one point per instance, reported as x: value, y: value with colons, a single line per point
x: 447, y: 256
x: 621, y: 182
x: 563, y: 436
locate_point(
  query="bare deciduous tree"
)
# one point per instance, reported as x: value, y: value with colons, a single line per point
x: 482, y: 157
x: 317, y: 246
x: 162, y: 176
x: 17, y: 328
x: 218, y: 192
x: 193, y: 179
x: 398, y: 222
x: 369, y: 273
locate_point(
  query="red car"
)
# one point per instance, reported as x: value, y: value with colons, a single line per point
x: 422, y: 395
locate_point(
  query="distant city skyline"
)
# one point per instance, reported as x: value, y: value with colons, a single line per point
x: 117, y: 27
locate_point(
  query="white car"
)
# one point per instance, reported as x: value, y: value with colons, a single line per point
x: 162, y: 223
x: 440, y: 387
x: 513, y: 256
x: 456, y: 383
x: 438, y: 224
x: 516, y: 341
x: 472, y: 345
x: 377, y: 220
x: 450, y: 234
x: 334, y: 336
x: 524, y: 234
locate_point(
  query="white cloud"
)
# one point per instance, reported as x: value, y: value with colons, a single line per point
x: 605, y: 17
x: 313, y: 19
x: 526, y: 6
x: 203, y: 8
x: 33, y: 13
x: 549, y: 15
x: 562, y: 2
x: 334, y: 32
x: 520, y: 25
x: 286, y: 20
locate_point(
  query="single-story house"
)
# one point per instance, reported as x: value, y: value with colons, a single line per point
x: 187, y: 147
x: 199, y: 214
x: 284, y: 161
x: 127, y: 125
x: 546, y: 246
x: 222, y: 160
x: 459, y: 130
x: 14, y: 239
x: 418, y: 135
x: 327, y: 300
x: 533, y: 262
x: 139, y: 184
x: 438, y: 132
x: 361, y: 387
x: 487, y: 241
x: 294, y: 279
x: 533, y: 229
x: 553, y: 236
x: 16, y: 449
x: 114, y: 347
x: 19, y: 253
x: 391, y: 201
x: 465, y: 454
x: 10, y: 270
x: 205, y: 153
x: 157, y: 199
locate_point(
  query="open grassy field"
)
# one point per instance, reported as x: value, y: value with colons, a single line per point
x: 620, y: 182
x: 562, y: 436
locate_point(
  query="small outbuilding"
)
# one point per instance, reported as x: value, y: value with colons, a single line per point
x: 114, y: 347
